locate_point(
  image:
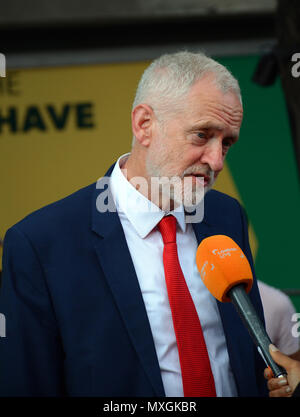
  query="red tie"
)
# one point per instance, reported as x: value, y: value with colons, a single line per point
x: 197, y: 377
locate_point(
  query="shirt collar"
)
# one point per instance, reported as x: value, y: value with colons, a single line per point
x: 141, y: 212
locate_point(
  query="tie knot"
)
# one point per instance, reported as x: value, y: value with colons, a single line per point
x: 167, y: 228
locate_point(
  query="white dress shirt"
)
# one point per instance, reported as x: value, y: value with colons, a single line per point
x: 139, y: 218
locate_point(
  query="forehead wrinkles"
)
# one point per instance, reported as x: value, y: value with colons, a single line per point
x: 230, y: 114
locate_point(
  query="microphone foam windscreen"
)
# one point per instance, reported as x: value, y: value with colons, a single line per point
x: 222, y: 265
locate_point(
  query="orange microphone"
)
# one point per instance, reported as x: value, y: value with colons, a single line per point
x: 225, y: 271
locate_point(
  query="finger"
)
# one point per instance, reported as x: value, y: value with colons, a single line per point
x: 281, y: 392
x: 276, y: 383
x: 268, y: 374
x: 279, y: 357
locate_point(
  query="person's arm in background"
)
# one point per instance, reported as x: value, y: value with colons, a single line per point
x: 284, y: 387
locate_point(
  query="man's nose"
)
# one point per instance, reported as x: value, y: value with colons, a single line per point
x: 213, y: 156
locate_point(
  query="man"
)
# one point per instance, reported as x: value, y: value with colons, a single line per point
x: 88, y: 288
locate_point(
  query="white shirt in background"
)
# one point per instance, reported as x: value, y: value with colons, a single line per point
x: 278, y: 311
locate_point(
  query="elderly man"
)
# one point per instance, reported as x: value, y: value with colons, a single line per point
x: 106, y: 300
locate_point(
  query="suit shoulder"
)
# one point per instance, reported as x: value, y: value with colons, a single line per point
x: 223, y: 210
x: 217, y: 198
x: 57, y: 215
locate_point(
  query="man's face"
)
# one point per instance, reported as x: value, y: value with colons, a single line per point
x: 193, y: 143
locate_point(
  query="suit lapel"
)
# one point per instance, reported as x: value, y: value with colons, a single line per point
x: 114, y: 257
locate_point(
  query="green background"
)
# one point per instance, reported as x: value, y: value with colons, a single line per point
x: 263, y: 166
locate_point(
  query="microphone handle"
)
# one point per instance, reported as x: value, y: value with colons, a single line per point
x: 247, y: 313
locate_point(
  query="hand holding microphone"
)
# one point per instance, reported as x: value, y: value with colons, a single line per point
x: 282, y: 387
x: 225, y: 271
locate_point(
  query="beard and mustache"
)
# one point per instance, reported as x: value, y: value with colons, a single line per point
x: 187, y: 188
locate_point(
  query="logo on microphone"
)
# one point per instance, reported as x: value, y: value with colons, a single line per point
x: 224, y: 252
x: 203, y: 271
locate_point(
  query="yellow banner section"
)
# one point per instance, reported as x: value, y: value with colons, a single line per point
x: 60, y: 129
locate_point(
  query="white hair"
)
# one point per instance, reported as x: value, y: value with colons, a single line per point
x: 169, y: 78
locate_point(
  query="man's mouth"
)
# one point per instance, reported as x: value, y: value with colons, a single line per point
x: 205, y: 179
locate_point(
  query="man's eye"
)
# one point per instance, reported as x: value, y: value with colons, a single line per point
x: 227, y: 143
x: 201, y: 135
x: 226, y: 146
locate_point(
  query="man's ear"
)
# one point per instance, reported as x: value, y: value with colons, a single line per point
x: 142, y: 118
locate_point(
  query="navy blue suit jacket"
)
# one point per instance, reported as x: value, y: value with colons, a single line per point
x: 76, y: 323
